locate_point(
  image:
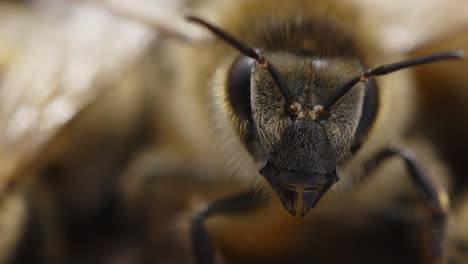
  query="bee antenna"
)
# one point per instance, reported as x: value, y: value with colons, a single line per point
x: 249, y: 52
x: 389, y: 68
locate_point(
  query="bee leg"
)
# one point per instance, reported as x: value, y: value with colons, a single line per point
x: 238, y: 203
x: 436, y: 200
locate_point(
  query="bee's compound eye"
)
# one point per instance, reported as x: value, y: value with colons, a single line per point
x: 238, y: 86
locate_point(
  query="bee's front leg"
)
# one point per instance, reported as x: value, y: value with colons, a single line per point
x: 238, y: 203
x: 436, y: 200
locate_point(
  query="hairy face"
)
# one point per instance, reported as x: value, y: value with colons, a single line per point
x: 274, y: 112
x: 298, y: 155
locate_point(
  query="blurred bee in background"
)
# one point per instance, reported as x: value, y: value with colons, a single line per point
x: 112, y: 138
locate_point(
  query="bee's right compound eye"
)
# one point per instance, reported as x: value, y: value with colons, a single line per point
x: 238, y: 86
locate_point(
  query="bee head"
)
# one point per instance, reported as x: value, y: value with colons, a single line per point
x: 277, y: 100
x: 295, y: 144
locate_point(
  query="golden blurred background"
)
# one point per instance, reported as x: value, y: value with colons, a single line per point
x: 92, y: 170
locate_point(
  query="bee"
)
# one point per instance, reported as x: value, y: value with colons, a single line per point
x: 292, y: 108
